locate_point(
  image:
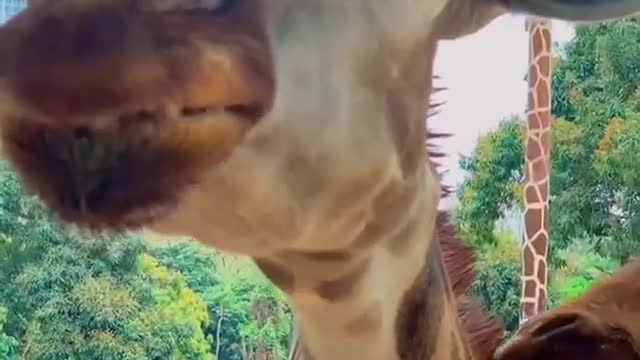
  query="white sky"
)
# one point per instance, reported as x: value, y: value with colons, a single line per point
x: 484, y: 74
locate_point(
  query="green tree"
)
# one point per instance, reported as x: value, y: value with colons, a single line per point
x: 68, y: 295
x: 595, y: 202
x: 250, y: 318
x: 497, y: 283
x: 582, y: 266
x: 595, y: 135
x: 495, y: 169
x: 8, y: 344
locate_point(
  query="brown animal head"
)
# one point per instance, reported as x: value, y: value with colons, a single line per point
x: 112, y: 109
x: 603, y: 324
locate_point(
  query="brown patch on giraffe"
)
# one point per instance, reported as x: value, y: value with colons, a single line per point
x: 278, y: 274
x: 530, y: 288
x: 528, y: 259
x: 544, y: 190
x: 531, y: 115
x: 540, y: 170
x: 529, y: 307
x: 533, y: 219
x: 542, y: 301
x: 534, y: 150
x: 545, y: 122
x: 538, y: 42
x: 533, y: 76
x: 531, y: 194
x: 540, y: 243
x: 543, y: 97
x: 424, y: 303
x: 370, y: 320
x: 542, y: 272
x: 343, y: 287
x: 545, y: 137
x: 421, y: 311
x: 544, y: 65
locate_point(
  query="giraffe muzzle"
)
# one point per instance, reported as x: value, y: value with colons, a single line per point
x: 108, y: 114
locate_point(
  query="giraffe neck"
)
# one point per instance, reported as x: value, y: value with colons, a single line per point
x: 537, y: 187
x: 390, y: 302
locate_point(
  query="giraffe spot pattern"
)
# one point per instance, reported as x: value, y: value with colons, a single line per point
x: 528, y: 261
x: 531, y: 195
x: 529, y: 308
x: 420, y: 318
x: 542, y: 272
x: 540, y: 242
x: 542, y: 301
x: 544, y: 190
x: 539, y: 168
x: 533, y: 219
x: 545, y: 139
x: 534, y: 150
x: 530, y: 289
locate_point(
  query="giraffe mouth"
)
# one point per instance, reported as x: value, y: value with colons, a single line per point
x: 127, y: 173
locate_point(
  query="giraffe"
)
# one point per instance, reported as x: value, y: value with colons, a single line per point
x: 603, y: 323
x: 289, y: 131
x: 535, y: 246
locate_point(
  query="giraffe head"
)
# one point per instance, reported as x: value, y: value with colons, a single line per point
x: 112, y: 110
x: 286, y: 130
x: 602, y: 324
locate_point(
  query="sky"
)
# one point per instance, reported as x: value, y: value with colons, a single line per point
x: 485, y: 77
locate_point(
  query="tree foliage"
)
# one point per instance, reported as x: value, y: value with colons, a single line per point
x: 596, y: 134
x: 249, y: 317
x: 595, y: 179
x: 70, y: 295
x: 582, y: 266
x: 497, y: 284
x: 496, y: 168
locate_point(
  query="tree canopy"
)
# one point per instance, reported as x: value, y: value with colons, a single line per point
x: 595, y: 176
x: 69, y: 295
